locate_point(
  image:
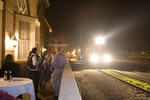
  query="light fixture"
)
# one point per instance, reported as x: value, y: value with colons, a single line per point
x: 14, y: 41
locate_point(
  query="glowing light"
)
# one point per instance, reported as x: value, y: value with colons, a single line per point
x: 94, y: 58
x: 8, y: 43
x: 14, y: 42
x: 44, y: 49
x: 100, y: 40
x: 74, y: 52
x: 107, y: 58
x: 68, y: 53
x: 50, y: 30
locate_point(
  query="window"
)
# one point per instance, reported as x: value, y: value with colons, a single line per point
x: 24, y: 40
x: 27, y: 32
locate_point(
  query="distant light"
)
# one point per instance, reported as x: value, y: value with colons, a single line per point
x: 79, y: 50
x: 94, y: 58
x: 68, y: 52
x: 100, y: 40
x: 50, y: 30
x: 107, y: 58
x: 44, y: 49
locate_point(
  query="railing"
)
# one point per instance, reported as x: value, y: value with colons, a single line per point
x: 69, y: 89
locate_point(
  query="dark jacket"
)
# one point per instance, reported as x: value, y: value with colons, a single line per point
x: 14, y: 67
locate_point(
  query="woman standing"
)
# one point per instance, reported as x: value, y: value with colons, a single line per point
x: 46, y: 71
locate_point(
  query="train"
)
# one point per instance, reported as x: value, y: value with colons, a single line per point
x: 92, y: 51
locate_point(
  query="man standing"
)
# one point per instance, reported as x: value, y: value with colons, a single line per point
x: 33, y: 62
x: 59, y: 62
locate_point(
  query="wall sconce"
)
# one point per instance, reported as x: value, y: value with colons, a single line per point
x: 14, y: 41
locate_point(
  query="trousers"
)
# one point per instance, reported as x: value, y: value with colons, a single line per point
x: 56, y: 80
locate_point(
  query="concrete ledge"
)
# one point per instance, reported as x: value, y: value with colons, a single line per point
x: 69, y: 89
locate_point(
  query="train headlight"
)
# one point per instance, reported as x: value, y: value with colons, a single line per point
x: 94, y: 58
x: 100, y: 40
x: 107, y: 58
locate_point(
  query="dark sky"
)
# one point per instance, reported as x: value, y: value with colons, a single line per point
x: 124, y: 23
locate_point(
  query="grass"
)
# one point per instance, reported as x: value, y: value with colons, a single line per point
x: 139, y: 83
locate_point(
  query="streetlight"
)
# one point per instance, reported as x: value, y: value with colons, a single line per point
x: 100, y: 40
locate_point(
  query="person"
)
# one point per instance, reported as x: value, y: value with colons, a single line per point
x: 5, y: 96
x: 10, y: 65
x: 33, y: 62
x: 58, y: 64
x: 46, y: 71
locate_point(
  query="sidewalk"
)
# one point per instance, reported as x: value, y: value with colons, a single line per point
x: 46, y: 94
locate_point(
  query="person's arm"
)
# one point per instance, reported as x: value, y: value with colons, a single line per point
x: 54, y: 64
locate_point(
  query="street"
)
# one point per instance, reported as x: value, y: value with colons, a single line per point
x: 96, y: 85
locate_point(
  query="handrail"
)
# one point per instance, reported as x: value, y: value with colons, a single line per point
x: 69, y: 89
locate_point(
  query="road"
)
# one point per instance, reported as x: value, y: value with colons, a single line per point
x: 96, y: 85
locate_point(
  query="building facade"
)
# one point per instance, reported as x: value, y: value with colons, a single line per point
x: 1, y: 35
x: 23, y: 27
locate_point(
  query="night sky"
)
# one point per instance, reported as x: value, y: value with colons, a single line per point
x: 124, y: 23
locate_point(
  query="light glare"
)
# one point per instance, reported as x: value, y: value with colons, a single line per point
x: 99, y: 40
x: 107, y: 58
x: 94, y: 58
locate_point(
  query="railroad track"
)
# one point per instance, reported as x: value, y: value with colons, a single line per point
x: 131, y: 76
x: 136, y: 86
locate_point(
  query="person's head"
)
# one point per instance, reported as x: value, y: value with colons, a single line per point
x: 53, y: 52
x: 59, y: 49
x: 34, y: 50
x: 9, y: 58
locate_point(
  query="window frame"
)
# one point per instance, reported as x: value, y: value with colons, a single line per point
x: 33, y: 23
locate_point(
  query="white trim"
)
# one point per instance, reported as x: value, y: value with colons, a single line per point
x: 1, y: 5
x: 33, y: 22
x: 20, y: 7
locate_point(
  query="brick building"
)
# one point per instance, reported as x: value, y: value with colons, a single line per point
x: 23, y: 26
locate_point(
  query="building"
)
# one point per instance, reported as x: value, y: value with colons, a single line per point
x: 1, y: 35
x: 23, y: 26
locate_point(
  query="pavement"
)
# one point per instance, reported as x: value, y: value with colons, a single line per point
x: 47, y: 93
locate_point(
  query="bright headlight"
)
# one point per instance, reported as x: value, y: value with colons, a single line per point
x: 100, y: 40
x: 107, y: 58
x: 94, y: 58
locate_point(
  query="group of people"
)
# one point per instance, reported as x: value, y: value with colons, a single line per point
x: 52, y: 69
x: 52, y: 66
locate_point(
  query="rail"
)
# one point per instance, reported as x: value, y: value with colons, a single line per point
x: 69, y: 89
